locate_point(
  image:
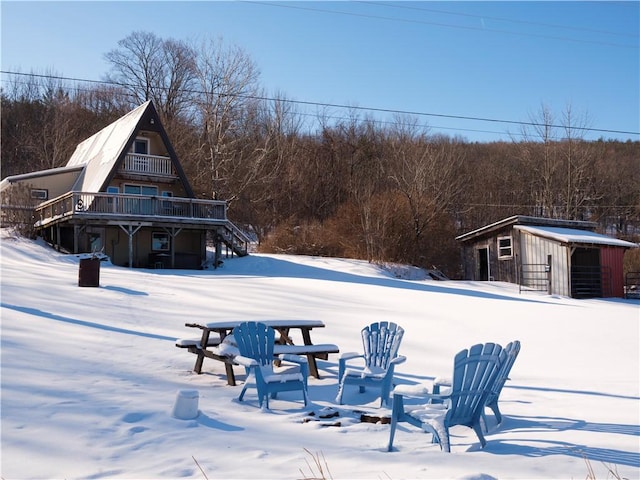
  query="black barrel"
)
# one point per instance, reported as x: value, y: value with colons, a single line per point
x: 89, y: 273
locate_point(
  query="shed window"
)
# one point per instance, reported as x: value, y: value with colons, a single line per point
x: 505, y: 248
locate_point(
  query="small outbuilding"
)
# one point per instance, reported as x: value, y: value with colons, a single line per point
x: 561, y: 257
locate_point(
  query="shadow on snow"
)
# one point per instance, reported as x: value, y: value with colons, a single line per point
x: 84, y: 323
x: 543, y: 448
x: 279, y: 268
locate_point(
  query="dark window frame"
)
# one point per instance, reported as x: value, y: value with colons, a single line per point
x: 159, y: 244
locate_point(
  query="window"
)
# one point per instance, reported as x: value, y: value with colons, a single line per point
x: 110, y: 201
x: 141, y: 189
x: 143, y: 206
x: 40, y: 194
x: 95, y: 242
x: 505, y: 249
x: 160, y: 241
x: 133, y: 189
x: 141, y: 146
x: 167, y: 205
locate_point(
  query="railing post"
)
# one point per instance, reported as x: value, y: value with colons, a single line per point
x: 549, y: 275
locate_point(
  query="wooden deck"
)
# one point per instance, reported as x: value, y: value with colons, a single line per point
x: 126, y: 207
x: 141, y: 210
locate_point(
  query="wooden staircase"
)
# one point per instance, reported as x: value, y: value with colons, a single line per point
x: 235, y: 239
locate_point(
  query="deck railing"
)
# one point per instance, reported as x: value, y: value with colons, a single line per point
x: 148, y: 164
x: 236, y: 239
x: 127, y: 205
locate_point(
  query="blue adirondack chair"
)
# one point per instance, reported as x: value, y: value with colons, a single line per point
x: 475, y: 371
x: 255, y: 343
x: 511, y: 353
x: 381, y: 342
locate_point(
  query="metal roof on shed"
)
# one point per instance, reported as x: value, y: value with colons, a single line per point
x: 488, y: 230
x: 574, y: 236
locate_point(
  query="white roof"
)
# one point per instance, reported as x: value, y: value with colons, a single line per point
x: 99, y: 152
x: 7, y: 181
x: 572, y: 235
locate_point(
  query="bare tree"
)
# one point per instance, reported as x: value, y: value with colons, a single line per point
x: 260, y: 183
x: 42, y: 123
x: 560, y: 163
x: 539, y: 152
x: 17, y: 212
x: 151, y: 68
x: 427, y: 174
x: 226, y: 81
x: 580, y: 158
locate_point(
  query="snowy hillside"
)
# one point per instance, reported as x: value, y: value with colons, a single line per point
x: 90, y: 375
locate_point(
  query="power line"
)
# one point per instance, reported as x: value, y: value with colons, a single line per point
x: 501, y: 19
x: 303, y: 114
x: 340, y: 106
x: 338, y: 117
x: 437, y: 24
x: 559, y: 206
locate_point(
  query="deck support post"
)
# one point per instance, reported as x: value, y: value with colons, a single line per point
x: 130, y: 232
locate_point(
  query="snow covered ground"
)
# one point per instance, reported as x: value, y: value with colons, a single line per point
x: 90, y: 375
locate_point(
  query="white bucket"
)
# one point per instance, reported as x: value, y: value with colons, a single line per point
x: 186, y: 406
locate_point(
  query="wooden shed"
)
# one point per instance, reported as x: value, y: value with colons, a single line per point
x: 561, y: 257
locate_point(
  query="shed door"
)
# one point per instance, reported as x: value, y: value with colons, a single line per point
x: 586, y: 274
x: 612, y: 261
x: 482, y: 270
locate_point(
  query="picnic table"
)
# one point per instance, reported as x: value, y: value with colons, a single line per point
x: 211, y: 343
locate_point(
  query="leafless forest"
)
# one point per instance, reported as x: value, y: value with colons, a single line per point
x: 322, y: 184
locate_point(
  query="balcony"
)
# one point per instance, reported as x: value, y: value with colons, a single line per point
x: 137, y: 163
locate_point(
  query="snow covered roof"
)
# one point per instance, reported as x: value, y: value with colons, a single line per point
x: 572, y: 235
x: 7, y: 181
x: 525, y: 220
x: 100, y: 152
x: 95, y: 159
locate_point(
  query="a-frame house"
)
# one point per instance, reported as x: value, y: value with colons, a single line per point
x: 125, y: 194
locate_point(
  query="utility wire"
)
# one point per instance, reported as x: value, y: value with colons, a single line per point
x: 437, y: 24
x: 337, y: 105
x: 324, y: 115
x: 427, y: 126
x: 500, y: 19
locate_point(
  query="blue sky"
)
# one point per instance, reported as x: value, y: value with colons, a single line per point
x: 490, y: 60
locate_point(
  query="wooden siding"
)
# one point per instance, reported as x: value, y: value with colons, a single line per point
x: 612, y: 258
x: 584, y: 263
x: 535, y: 250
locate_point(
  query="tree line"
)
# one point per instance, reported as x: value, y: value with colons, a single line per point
x: 352, y: 186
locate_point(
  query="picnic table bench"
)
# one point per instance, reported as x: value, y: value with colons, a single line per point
x: 212, y: 344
